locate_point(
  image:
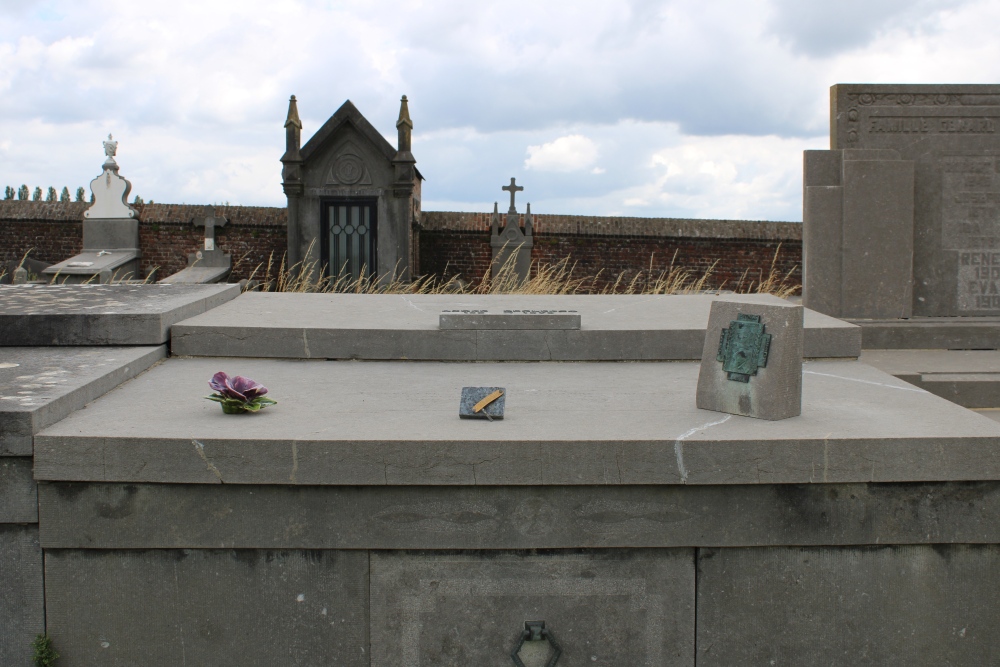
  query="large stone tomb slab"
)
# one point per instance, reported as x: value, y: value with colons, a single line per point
x: 384, y: 423
x: 80, y: 515
x: 603, y: 608
x: 101, y: 314
x: 899, y: 605
x: 752, y: 361
x: 170, y: 608
x: 406, y: 326
x: 40, y: 386
x: 22, y: 605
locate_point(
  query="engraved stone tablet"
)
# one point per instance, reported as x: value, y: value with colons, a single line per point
x: 490, y: 405
x: 752, y: 360
x: 510, y: 319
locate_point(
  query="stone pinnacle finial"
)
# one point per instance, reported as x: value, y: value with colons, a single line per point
x: 293, y: 114
x: 404, y: 114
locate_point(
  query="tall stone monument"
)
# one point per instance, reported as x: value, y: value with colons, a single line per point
x: 352, y: 198
x: 511, y: 244
x: 110, y: 231
x: 902, y: 215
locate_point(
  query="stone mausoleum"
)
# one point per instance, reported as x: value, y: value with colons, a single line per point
x: 353, y: 198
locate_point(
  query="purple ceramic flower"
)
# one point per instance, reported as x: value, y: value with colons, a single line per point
x: 239, y: 387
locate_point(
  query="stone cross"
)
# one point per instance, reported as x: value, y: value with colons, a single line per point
x: 210, y: 222
x: 512, y: 189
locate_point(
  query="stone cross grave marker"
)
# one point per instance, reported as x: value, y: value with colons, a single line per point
x: 209, y: 221
x: 513, y: 189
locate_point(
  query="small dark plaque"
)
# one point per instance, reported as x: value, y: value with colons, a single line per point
x: 472, y: 396
x: 743, y: 347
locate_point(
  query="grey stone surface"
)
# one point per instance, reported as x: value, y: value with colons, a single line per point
x: 41, y: 315
x: 170, y: 608
x: 822, y: 275
x: 394, y: 423
x: 40, y: 386
x: 509, y: 319
x: 774, y: 390
x: 970, y: 378
x: 858, y: 233
x: 197, y: 275
x: 927, y: 333
x: 949, y: 133
x: 604, y: 608
x: 22, y: 605
x: 877, y: 273
x: 146, y: 516
x: 901, y: 605
x: 18, y: 495
x: 390, y: 326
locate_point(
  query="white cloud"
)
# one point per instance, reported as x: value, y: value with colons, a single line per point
x: 631, y: 106
x: 574, y: 152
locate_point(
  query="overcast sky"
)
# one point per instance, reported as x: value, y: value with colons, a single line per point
x: 695, y: 108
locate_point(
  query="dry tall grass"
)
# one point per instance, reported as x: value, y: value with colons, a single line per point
x: 557, y: 278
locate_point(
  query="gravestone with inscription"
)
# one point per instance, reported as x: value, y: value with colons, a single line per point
x: 752, y: 362
x: 352, y: 197
x: 902, y: 215
x: 511, y: 245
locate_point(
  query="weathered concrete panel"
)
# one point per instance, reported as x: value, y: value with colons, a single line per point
x: 22, y: 604
x: 137, y: 516
x: 18, y: 495
x: 40, y: 386
x: 603, y: 608
x: 909, y: 605
x: 243, y: 607
x: 102, y: 314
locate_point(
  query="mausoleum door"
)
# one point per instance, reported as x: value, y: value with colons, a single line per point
x: 349, y: 237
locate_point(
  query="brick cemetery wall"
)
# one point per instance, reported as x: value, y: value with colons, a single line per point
x: 449, y: 243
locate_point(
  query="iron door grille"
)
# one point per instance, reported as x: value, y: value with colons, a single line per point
x: 350, y: 231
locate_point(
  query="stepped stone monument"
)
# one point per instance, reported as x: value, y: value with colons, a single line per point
x: 352, y: 198
x: 110, y: 231
x: 902, y: 215
x: 511, y: 245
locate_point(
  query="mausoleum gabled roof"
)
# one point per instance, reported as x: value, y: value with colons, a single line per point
x: 347, y: 113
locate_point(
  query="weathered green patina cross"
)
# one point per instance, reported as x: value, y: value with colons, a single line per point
x: 743, y: 347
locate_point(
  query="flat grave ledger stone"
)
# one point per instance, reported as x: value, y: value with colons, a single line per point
x: 40, y: 386
x: 413, y: 327
x: 44, y: 315
x: 572, y: 424
x: 900, y: 216
x: 752, y: 362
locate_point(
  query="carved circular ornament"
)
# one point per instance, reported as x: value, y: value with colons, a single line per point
x: 348, y: 169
